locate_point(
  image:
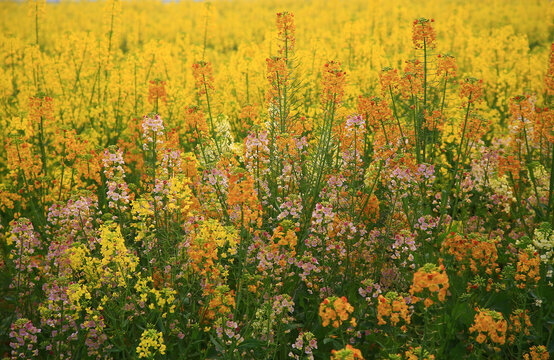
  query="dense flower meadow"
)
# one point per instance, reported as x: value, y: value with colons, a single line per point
x: 229, y: 180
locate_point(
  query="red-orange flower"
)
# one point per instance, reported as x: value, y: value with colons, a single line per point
x: 203, y: 76
x: 334, y: 82
x: 423, y: 34
x: 286, y: 28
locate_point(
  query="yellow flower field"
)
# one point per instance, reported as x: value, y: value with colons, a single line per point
x: 322, y: 179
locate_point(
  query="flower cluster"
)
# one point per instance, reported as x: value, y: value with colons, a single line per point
x: 333, y: 82
x: 520, y: 323
x: 528, y: 269
x: 537, y: 353
x: 489, y: 325
x: 305, y: 344
x: 157, y: 92
x: 23, y: 335
x: 336, y: 311
x: 432, y: 278
x: 203, y: 76
x: 423, y: 34
x: 348, y: 353
x: 286, y: 28
x: 394, y: 307
x: 151, y: 343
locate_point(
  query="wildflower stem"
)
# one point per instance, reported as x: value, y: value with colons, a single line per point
x: 446, y: 195
x: 42, y: 146
x: 550, y: 191
x: 530, y: 168
x: 522, y: 330
x: 421, y: 128
x: 212, y: 128
x: 396, y: 116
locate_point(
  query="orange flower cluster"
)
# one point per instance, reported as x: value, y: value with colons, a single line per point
x: 336, y: 311
x: 388, y: 78
x: 41, y: 108
x: 544, y: 127
x: 527, y: 269
x: 434, y: 121
x: 348, y: 353
x: 412, y: 82
x: 195, y: 122
x: 334, y: 82
x: 277, y: 76
x: 203, y: 257
x: 519, y: 322
x: 415, y: 353
x: 190, y: 170
x: 434, y: 279
x: 537, y: 353
x: 249, y: 116
x: 375, y: 112
x: 203, y: 75
x: 471, y: 90
x: 509, y: 165
x: 371, y: 209
x: 483, y: 254
x: 489, y: 324
x: 23, y: 161
x: 521, y: 108
x: 284, y: 238
x: 156, y: 92
x: 479, y: 253
x: 393, y: 306
x: 446, y: 64
x: 243, y: 201
x: 222, y: 302
x: 286, y: 28
x: 423, y: 34
x: 476, y: 127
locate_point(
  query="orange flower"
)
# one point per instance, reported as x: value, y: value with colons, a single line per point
x: 244, y: 207
x: 286, y: 28
x: 432, y: 278
x: 348, y: 353
x: 394, y: 307
x: 423, y: 34
x: 41, y: 108
x: 415, y: 353
x: 434, y: 121
x: 537, y: 353
x: 389, y: 80
x: 336, y: 311
x: 446, y: 65
x: 195, y: 122
x: 471, y: 90
x: 489, y: 324
x: 527, y: 269
x: 476, y: 127
x: 412, y: 82
x: 157, y: 92
x: 519, y: 322
x: 203, y: 76
x: 249, y: 116
x: 544, y: 127
x: 509, y: 165
x: 277, y: 76
x: 334, y: 81
x: 221, y: 303
x: 478, y: 253
x: 375, y: 111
